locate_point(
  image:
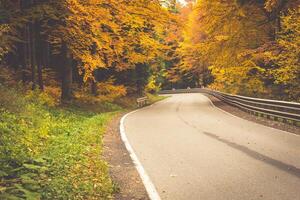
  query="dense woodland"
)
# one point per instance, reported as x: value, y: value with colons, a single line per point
x: 247, y: 47
x: 68, y: 66
x: 81, y: 44
x: 244, y: 47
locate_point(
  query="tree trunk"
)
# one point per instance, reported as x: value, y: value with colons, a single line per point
x: 40, y: 76
x: 23, y: 46
x: 23, y: 55
x: 94, y: 88
x: 29, y: 53
x: 39, y: 53
x: 32, y: 54
x: 67, y: 75
x: 46, y: 53
x: 32, y: 48
x: 94, y: 81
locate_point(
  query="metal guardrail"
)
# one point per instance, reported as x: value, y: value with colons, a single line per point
x: 272, y: 109
x: 142, y: 101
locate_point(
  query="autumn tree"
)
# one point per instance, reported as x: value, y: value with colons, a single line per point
x: 242, y: 44
x: 286, y: 71
x: 84, y: 41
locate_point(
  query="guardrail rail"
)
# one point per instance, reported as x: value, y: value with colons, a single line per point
x: 288, y: 112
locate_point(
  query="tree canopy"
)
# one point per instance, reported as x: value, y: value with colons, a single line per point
x: 243, y: 47
x: 84, y: 37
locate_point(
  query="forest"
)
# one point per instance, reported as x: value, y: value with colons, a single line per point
x: 68, y: 66
x: 242, y: 47
x: 69, y: 47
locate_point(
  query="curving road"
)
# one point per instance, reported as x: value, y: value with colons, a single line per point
x: 193, y: 150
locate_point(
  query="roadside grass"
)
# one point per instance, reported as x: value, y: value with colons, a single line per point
x: 54, y: 152
x: 129, y: 103
x: 153, y: 98
x: 74, y: 152
x: 50, y: 152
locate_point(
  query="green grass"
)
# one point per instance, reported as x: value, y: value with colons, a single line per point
x: 153, y: 98
x: 47, y: 152
x: 54, y: 152
x: 130, y: 102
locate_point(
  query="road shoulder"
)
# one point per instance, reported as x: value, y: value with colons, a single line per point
x: 260, y: 120
x: 122, y: 169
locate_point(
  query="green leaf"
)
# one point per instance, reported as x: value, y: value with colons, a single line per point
x: 9, y: 197
x: 3, y: 174
x: 32, y: 167
x: 29, y: 195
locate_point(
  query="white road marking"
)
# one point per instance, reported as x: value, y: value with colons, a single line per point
x: 152, y: 193
x: 150, y: 188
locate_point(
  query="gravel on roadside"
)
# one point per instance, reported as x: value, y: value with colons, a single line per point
x: 122, y: 169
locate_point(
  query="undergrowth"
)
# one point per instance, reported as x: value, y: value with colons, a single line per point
x: 49, y: 152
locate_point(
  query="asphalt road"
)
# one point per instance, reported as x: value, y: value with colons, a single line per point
x: 192, y: 150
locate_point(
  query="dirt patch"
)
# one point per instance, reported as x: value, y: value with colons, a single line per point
x: 260, y: 120
x: 122, y: 169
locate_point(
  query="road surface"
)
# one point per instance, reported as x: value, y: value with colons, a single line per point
x: 192, y: 150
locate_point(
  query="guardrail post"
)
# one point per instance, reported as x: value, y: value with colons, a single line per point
x: 142, y: 101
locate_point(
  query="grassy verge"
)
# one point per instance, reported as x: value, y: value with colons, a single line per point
x: 54, y: 152
x: 49, y: 152
x: 129, y: 103
x: 155, y: 98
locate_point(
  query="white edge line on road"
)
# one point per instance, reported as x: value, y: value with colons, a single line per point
x: 150, y: 188
x: 213, y: 105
